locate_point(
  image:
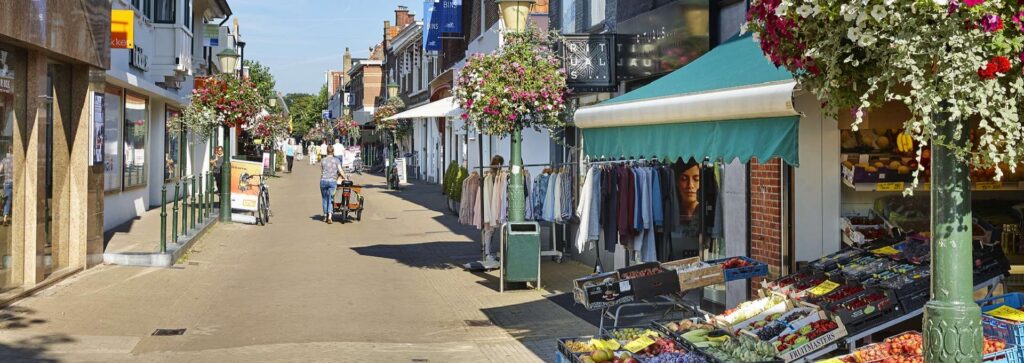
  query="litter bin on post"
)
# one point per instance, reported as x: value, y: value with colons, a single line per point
x: 520, y: 260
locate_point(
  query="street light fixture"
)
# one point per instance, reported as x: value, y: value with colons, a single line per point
x: 515, y: 13
x: 228, y: 60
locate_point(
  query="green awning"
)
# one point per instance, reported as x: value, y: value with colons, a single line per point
x: 720, y: 140
x: 729, y: 103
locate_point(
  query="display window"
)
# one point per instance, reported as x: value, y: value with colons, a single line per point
x: 12, y: 111
x: 112, y: 161
x: 136, y: 121
x: 173, y: 166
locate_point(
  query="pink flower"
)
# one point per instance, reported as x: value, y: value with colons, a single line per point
x: 971, y: 3
x: 991, y: 23
x: 1019, y: 20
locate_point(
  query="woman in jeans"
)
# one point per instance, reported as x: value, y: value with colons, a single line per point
x: 330, y: 173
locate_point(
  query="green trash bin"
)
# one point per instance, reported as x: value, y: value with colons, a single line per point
x: 521, y: 260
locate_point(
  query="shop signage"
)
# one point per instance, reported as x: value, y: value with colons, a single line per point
x: 245, y: 187
x: 451, y: 18
x: 661, y: 40
x: 122, y: 29
x: 589, y: 62
x: 138, y: 59
x: 6, y: 75
x: 211, y: 35
x: 431, y: 26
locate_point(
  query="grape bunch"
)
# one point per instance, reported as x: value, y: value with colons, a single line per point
x: 796, y: 315
x: 676, y: 357
x: 770, y: 331
x: 661, y: 346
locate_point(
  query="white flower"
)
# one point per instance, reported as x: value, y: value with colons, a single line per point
x: 866, y: 40
x: 743, y: 28
x: 878, y: 12
x: 782, y: 8
x: 853, y: 33
x: 804, y: 10
x: 941, y: 2
x: 849, y: 12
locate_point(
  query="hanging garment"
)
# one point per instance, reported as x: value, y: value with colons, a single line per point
x: 709, y: 194
x: 479, y: 205
x: 657, y: 205
x: 470, y: 189
x: 627, y: 203
x: 594, y: 230
x: 670, y: 211
x: 501, y: 198
x: 549, y: 200
x: 527, y: 189
x: 610, y: 208
x: 566, y: 204
x: 583, y: 211
x: 557, y: 209
x: 540, y: 188
x: 488, y: 198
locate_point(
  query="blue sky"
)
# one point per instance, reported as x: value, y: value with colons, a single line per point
x: 301, y: 39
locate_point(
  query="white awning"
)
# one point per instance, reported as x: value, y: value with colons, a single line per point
x: 445, y: 107
x: 760, y: 101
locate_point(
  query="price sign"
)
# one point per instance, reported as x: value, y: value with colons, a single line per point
x: 823, y: 288
x: 887, y: 250
x: 890, y: 187
x: 990, y: 185
x: 639, y: 344
x: 1008, y: 313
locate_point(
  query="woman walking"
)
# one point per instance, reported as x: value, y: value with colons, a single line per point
x: 330, y: 174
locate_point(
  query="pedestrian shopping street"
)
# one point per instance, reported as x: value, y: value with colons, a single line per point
x: 384, y: 289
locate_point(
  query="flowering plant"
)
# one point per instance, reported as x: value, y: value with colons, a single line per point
x: 316, y: 133
x: 347, y: 127
x: 521, y: 85
x: 200, y: 121
x: 234, y: 101
x: 957, y: 58
x: 272, y: 126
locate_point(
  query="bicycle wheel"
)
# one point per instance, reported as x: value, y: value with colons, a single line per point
x: 266, y: 193
x: 265, y: 206
x: 259, y: 212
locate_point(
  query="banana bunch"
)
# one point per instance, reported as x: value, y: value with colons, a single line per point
x: 904, y: 143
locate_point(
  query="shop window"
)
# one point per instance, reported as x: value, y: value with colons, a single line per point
x: 135, y: 130
x: 187, y: 14
x: 173, y: 167
x: 112, y: 138
x: 12, y: 111
x: 164, y: 11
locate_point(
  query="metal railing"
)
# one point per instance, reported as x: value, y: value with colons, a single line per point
x: 195, y: 195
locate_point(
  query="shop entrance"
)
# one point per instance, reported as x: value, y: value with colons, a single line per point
x: 51, y: 251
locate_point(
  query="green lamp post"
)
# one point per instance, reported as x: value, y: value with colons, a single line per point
x: 273, y: 143
x: 392, y: 93
x: 228, y: 60
x: 515, y: 14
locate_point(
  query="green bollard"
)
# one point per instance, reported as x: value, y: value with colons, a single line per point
x: 184, y: 206
x: 163, y: 219
x: 195, y: 207
x: 174, y: 220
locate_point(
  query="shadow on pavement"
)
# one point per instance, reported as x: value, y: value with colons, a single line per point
x: 32, y: 349
x: 538, y: 324
x: 429, y: 255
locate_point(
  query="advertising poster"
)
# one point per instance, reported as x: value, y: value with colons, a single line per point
x: 97, y: 128
x: 245, y: 184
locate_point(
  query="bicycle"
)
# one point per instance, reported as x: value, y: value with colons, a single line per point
x: 263, y: 212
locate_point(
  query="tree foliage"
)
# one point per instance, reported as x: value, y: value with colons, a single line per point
x: 260, y: 75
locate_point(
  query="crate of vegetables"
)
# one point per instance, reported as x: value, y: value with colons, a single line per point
x: 694, y: 273
x: 1000, y: 316
x: 741, y: 268
x: 650, y: 280
x: 809, y: 338
x: 864, y: 309
x: 786, y: 323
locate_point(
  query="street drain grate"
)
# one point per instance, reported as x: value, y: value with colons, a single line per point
x: 478, y: 323
x: 420, y: 360
x: 168, y: 332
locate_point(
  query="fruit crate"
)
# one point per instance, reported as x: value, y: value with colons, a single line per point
x: 755, y: 269
x: 603, y: 290
x: 833, y: 260
x: 567, y: 353
x: 649, y: 280
x: 1011, y: 332
x: 833, y: 297
x: 866, y: 316
x: 1012, y: 354
x: 912, y: 302
x: 706, y: 275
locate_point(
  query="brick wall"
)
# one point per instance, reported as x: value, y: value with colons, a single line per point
x: 765, y: 215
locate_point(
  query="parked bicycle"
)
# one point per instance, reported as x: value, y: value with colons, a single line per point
x: 263, y: 212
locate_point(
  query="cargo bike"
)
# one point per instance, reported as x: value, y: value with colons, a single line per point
x: 348, y: 201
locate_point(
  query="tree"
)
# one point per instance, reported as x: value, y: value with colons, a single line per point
x: 260, y: 75
x: 306, y: 110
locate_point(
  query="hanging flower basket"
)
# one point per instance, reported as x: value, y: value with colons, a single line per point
x: 959, y: 58
x: 272, y: 126
x: 522, y: 85
x: 346, y: 126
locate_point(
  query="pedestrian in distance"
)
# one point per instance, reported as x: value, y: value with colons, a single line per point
x: 339, y: 151
x: 289, y: 154
x: 311, y: 152
x: 330, y: 174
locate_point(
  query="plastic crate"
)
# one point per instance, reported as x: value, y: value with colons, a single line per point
x: 1011, y: 332
x: 757, y: 268
x: 1011, y: 354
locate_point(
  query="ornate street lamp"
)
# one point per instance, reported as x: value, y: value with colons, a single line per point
x: 392, y: 94
x: 515, y: 14
x: 228, y: 60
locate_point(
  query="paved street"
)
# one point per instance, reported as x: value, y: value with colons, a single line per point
x: 385, y: 289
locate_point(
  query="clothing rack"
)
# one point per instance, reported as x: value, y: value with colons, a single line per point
x: 554, y: 252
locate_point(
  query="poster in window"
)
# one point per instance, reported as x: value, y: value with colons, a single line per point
x: 97, y: 127
x: 112, y: 103
x: 245, y: 184
x: 172, y: 146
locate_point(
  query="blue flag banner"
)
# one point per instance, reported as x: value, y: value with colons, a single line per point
x: 431, y: 25
x: 451, y: 23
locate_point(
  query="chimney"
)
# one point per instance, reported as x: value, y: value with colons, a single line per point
x: 402, y: 17
x: 387, y: 30
x: 346, y: 65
